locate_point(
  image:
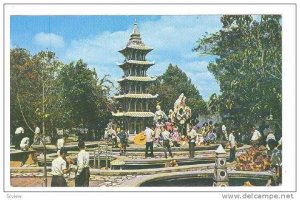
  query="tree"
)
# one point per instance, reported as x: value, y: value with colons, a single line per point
x: 82, y: 99
x: 28, y: 75
x: 248, y: 67
x: 19, y: 62
x: 171, y: 84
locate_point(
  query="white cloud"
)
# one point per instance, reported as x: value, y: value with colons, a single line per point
x: 49, y: 40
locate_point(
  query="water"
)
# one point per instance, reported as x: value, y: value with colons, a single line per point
x: 201, y: 182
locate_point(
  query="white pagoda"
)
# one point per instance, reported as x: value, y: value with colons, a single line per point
x: 135, y: 103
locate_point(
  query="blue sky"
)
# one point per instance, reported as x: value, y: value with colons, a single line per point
x: 97, y: 39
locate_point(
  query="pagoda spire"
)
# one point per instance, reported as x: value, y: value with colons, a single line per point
x: 135, y: 29
x: 135, y: 37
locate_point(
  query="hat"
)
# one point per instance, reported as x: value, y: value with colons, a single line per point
x: 140, y: 139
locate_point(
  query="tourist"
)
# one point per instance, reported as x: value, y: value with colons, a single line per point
x: 24, y: 144
x: 232, y: 145
x: 19, y: 133
x: 169, y: 125
x: 59, y: 168
x: 149, y: 134
x: 191, y: 134
x: 176, y: 137
x: 165, y: 135
x: 210, y: 137
x: 83, y: 170
x: 114, y: 137
x: 122, y: 137
x: 256, y: 136
x: 157, y: 131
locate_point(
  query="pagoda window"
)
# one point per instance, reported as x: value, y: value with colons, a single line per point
x: 134, y: 105
x: 135, y: 89
x: 147, y: 108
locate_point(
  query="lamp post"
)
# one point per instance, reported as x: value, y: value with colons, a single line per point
x: 43, y: 126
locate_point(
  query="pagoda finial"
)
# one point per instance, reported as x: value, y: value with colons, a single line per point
x: 135, y: 28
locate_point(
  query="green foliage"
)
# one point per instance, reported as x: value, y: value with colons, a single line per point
x: 248, y: 67
x: 73, y: 94
x: 28, y: 74
x: 171, y: 84
x: 81, y: 96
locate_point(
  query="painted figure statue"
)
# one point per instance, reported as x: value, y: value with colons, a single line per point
x: 182, y: 114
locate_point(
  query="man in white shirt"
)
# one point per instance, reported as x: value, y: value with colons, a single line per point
x: 59, y: 168
x: 191, y: 134
x: 256, y: 136
x: 83, y: 169
x: 165, y: 135
x: 232, y: 144
x: 19, y: 133
x: 149, y: 133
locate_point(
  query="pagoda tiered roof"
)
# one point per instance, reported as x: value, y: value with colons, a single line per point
x: 141, y: 47
x: 133, y: 114
x: 138, y: 62
x: 136, y: 96
x: 137, y: 78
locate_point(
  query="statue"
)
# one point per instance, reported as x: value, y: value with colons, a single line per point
x: 171, y: 115
x: 182, y: 113
x: 159, y: 114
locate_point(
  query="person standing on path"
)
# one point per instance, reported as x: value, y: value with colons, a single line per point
x: 149, y: 133
x: 59, y: 168
x: 165, y: 135
x: 83, y: 169
x: 191, y: 134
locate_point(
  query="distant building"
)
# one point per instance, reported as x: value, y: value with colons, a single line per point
x: 135, y: 103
